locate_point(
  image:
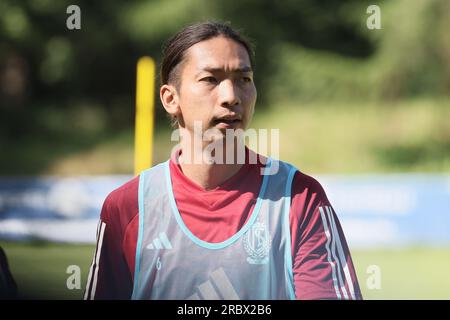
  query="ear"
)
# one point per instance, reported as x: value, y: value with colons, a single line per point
x: 170, y: 100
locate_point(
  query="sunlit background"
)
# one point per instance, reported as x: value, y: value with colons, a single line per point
x: 366, y: 111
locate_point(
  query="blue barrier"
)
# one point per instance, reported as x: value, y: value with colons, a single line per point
x: 55, y: 209
x: 374, y: 210
x: 392, y: 210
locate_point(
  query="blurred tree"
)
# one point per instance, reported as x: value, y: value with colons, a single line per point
x: 56, y: 83
x: 44, y: 63
x: 320, y: 25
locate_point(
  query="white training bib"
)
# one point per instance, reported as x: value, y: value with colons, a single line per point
x: 255, y: 263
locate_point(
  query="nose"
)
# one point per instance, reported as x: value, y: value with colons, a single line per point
x: 227, y: 94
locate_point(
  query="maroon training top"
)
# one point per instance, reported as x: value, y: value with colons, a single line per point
x: 322, y: 265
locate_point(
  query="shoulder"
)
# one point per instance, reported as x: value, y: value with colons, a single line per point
x: 122, y: 203
x: 302, y: 182
x: 305, y: 183
x: 307, y: 196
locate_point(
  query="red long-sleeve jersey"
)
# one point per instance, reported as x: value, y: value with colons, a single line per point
x: 322, y: 265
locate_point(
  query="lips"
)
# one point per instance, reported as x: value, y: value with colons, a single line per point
x: 227, y: 121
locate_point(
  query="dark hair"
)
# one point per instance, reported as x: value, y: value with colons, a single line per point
x: 174, y: 49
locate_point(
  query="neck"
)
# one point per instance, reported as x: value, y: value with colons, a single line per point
x: 207, y: 174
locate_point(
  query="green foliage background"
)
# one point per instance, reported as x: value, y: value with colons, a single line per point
x: 67, y: 96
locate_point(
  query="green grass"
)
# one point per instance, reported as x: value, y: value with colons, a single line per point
x: 40, y: 268
x: 410, y: 273
x: 413, y: 273
x: 407, y: 136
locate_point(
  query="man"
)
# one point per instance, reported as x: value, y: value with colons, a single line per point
x: 191, y: 228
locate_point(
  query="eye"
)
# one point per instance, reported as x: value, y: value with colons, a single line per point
x: 245, y: 79
x: 211, y: 80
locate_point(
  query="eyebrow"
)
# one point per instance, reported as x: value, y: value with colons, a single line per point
x: 243, y: 69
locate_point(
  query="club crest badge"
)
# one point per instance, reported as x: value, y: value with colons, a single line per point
x: 257, y: 244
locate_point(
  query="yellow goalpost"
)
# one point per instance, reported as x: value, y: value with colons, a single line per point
x: 143, y: 136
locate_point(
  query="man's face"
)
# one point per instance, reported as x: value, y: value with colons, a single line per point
x: 217, y: 86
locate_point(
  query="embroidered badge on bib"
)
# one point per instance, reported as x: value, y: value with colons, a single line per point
x: 257, y: 244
